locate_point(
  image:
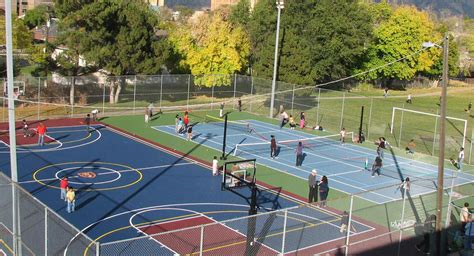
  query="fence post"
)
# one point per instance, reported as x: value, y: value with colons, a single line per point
x: 284, y: 233
x: 212, y: 97
x: 251, y: 93
x: 134, y: 93
x: 235, y: 88
x: 39, y: 100
x: 402, y: 218
x: 401, y: 127
x: 45, y: 231
x: 342, y: 110
x: 161, y: 89
x: 72, y: 106
x: 435, y: 131
x: 293, y: 100
x: 201, y: 243
x: 103, y: 98
x: 370, y: 118
x: 189, y: 84
x: 319, y: 105
x: 470, y: 148
x: 349, y: 226
x: 97, y: 248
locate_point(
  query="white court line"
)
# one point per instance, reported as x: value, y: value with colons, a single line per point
x: 299, y: 169
x: 363, y: 151
x: 119, y: 171
x: 56, y: 148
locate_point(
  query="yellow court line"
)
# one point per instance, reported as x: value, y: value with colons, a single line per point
x: 148, y: 222
x: 6, y: 246
x: 309, y: 225
x: 140, y: 175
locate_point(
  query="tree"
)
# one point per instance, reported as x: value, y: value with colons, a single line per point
x: 240, y: 13
x: 212, y: 46
x: 22, y: 37
x: 37, y: 16
x: 316, y: 44
x: 401, y: 36
x: 118, y: 36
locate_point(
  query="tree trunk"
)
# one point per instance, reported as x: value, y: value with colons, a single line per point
x: 119, y: 88
x: 112, y: 92
x: 71, y: 91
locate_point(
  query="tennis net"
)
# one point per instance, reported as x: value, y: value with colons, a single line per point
x: 239, y: 126
x: 310, y: 143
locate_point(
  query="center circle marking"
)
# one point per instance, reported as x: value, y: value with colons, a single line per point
x: 128, y: 168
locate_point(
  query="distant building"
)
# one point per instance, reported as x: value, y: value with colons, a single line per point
x: 215, y: 4
x: 20, y: 7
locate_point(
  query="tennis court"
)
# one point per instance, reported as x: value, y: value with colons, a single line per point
x: 343, y: 164
x: 131, y: 189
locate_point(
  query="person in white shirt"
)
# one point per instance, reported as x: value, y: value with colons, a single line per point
x: 215, y: 169
x: 284, y: 119
x: 94, y: 113
x: 343, y: 135
x: 460, y: 158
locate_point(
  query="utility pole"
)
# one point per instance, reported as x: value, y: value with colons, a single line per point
x: 442, y: 142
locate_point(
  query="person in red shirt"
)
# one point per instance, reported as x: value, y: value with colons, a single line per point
x: 186, y: 119
x: 64, y: 183
x: 41, y: 130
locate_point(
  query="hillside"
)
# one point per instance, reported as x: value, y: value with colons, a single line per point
x: 193, y: 4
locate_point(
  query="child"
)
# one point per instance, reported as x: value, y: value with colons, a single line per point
x: 343, y: 135
x: 180, y: 126
x: 190, y: 132
x: 26, y: 131
x: 302, y: 120
x: 176, y: 121
x: 147, y: 115
x: 186, y: 119
x: 292, y: 123
x: 87, y: 122
x: 410, y: 149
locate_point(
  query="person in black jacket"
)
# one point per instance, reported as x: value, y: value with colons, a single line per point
x: 323, y: 190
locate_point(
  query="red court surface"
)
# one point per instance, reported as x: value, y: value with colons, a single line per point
x: 218, y: 240
x: 33, y: 140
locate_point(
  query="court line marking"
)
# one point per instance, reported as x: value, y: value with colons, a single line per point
x: 351, y: 147
x: 213, y: 222
x: 140, y: 175
x: 180, y: 156
x: 245, y: 217
x: 54, y: 149
x: 299, y: 169
x: 111, y: 171
x: 106, y: 173
x: 409, y: 161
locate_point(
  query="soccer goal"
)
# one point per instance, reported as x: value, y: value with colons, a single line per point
x: 424, y: 127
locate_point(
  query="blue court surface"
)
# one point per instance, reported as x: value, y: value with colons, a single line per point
x: 343, y: 164
x: 129, y: 188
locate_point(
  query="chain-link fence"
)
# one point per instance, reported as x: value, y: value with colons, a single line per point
x: 349, y: 224
x: 39, y: 230
x: 330, y: 109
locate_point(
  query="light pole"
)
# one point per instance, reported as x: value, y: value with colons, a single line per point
x: 442, y: 140
x: 280, y: 5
